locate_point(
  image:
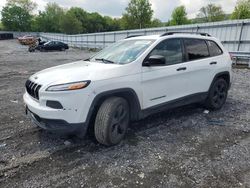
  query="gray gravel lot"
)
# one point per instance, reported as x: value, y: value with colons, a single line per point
x: 184, y: 147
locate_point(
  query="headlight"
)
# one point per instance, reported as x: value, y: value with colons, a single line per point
x: 69, y: 86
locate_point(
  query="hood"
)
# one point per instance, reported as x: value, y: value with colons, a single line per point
x: 77, y: 71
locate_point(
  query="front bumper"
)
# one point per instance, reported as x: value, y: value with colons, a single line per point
x: 56, y: 125
x: 70, y: 119
x: 73, y: 111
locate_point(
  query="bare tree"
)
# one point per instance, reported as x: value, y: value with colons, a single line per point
x: 211, y: 13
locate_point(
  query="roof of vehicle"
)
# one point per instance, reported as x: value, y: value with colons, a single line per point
x: 171, y: 35
x: 150, y: 37
x: 54, y: 41
x: 28, y: 36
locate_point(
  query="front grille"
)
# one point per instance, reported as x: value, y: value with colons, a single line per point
x: 33, y: 89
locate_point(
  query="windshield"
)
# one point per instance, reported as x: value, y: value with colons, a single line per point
x: 122, y: 52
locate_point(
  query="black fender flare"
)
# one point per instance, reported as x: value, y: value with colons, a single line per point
x: 128, y: 93
x: 225, y: 75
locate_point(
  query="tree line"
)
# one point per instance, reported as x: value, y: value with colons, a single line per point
x: 17, y: 15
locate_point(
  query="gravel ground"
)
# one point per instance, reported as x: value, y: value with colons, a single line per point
x: 184, y: 147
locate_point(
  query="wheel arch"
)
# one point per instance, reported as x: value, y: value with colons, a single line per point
x: 127, y: 93
x: 225, y: 75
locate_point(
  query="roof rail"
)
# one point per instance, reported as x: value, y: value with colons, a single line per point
x: 179, y: 32
x: 131, y: 36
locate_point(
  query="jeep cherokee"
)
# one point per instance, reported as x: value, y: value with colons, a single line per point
x: 128, y: 81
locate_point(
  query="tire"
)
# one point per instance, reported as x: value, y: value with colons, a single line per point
x: 112, y: 121
x: 62, y: 49
x: 217, y: 94
x: 31, y: 49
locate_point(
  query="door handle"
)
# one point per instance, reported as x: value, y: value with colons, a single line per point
x: 213, y: 63
x: 182, y: 69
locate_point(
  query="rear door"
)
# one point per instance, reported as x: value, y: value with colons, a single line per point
x: 58, y: 45
x: 199, y: 66
x: 54, y: 46
x: 217, y: 59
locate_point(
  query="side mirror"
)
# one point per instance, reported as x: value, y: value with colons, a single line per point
x: 155, y: 60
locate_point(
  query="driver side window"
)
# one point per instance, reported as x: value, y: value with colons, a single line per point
x: 171, y: 50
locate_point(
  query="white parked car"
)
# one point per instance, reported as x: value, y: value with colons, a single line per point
x: 128, y: 81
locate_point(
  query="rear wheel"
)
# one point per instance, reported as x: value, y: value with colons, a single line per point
x: 217, y: 95
x: 112, y: 121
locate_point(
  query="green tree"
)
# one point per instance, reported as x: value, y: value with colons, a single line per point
x: 168, y: 23
x: 75, y: 20
x: 95, y: 23
x: 211, y: 13
x: 1, y: 26
x: 156, y: 23
x: 179, y: 16
x: 111, y: 24
x: 242, y: 10
x: 124, y: 23
x: 28, y: 5
x: 82, y: 16
x: 138, y: 15
x: 70, y: 24
x: 15, y: 18
x: 50, y: 19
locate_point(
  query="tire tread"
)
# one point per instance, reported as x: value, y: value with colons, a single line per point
x: 208, y: 103
x: 102, y: 120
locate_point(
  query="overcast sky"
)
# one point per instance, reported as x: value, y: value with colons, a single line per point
x: 115, y: 8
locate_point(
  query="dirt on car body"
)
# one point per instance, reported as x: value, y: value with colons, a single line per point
x: 184, y: 147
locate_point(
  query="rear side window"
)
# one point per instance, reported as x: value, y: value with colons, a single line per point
x: 196, y: 49
x: 214, y: 49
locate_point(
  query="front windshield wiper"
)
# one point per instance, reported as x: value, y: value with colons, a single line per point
x: 88, y: 59
x: 105, y: 60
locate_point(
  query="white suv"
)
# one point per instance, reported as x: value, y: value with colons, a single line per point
x: 128, y: 81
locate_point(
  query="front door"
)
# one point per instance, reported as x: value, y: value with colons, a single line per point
x: 163, y: 83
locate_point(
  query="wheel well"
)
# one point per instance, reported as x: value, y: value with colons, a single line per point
x: 128, y: 94
x: 224, y: 76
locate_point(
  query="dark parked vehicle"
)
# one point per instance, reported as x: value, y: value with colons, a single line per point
x: 34, y: 46
x: 41, y: 42
x: 6, y: 36
x: 52, y: 45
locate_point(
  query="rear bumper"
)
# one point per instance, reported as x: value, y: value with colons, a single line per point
x: 57, y: 125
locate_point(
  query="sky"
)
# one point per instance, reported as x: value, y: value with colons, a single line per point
x: 115, y: 8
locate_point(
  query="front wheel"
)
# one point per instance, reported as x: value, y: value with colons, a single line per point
x: 217, y: 94
x: 112, y: 121
x: 31, y: 49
